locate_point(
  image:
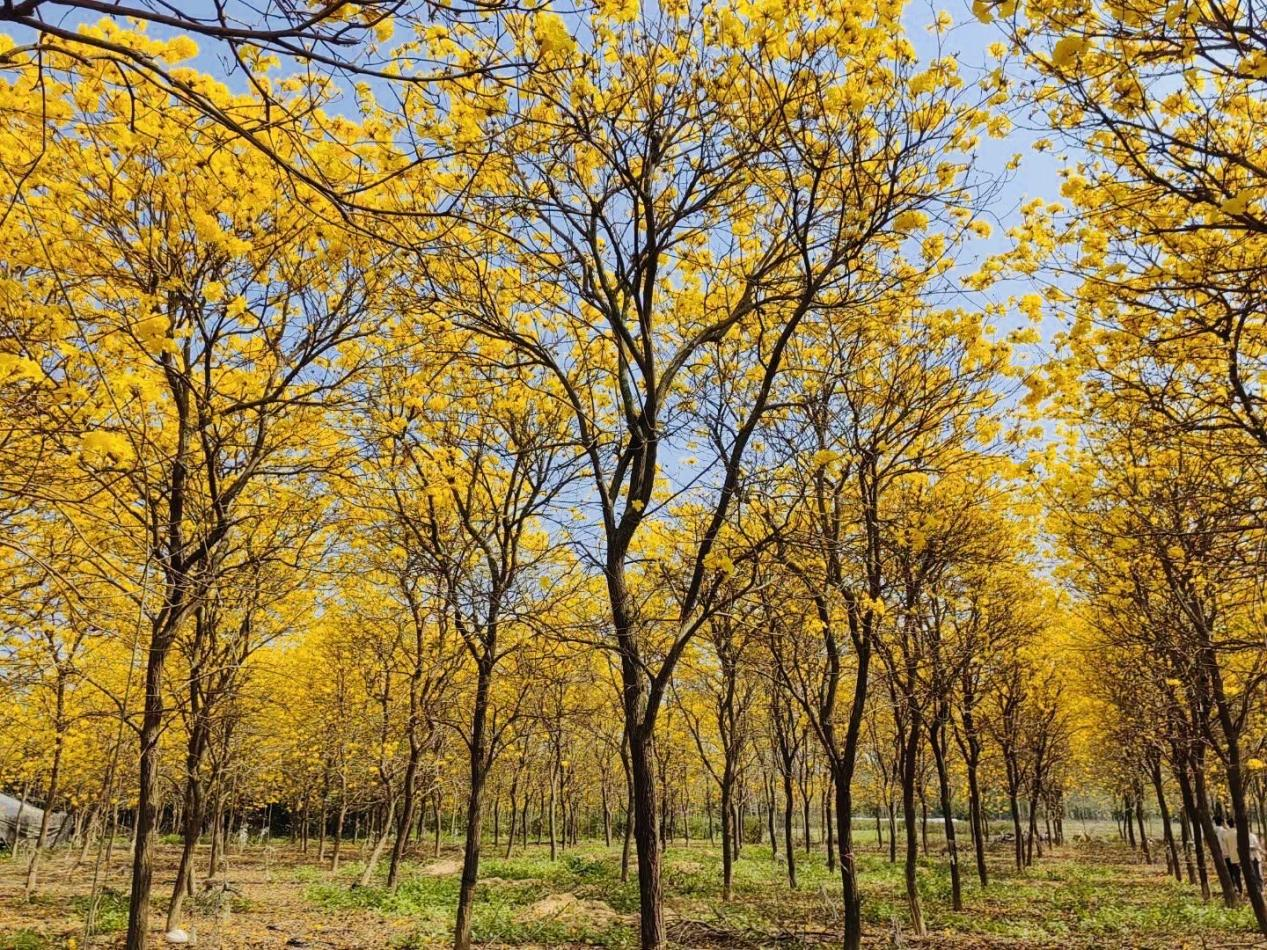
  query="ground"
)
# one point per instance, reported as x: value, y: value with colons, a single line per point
x: 1086, y: 894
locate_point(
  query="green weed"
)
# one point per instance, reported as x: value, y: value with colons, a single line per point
x: 24, y: 940
x: 110, y: 913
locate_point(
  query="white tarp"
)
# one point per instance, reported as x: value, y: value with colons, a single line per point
x: 27, y: 825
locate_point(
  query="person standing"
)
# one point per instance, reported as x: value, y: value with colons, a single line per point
x: 1227, y: 842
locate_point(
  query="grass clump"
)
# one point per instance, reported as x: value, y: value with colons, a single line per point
x: 24, y: 940
x: 109, y: 915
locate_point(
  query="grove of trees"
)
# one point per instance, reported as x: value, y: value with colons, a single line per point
x: 626, y: 422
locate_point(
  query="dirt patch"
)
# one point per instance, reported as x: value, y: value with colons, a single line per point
x: 442, y: 868
x: 687, y: 867
x: 569, y: 908
x: 266, y: 909
x: 509, y: 882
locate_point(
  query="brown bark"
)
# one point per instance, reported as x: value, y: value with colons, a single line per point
x: 480, y: 761
x: 909, y: 751
x: 937, y: 739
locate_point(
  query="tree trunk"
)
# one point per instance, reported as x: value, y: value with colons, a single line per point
x: 789, y: 817
x: 805, y: 808
x: 626, y: 844
x: 1030, y: 826
x: 892, y: 831
x: 217, y: 840
x: 910, y: 747
x: 607, y: 819
x: 379, y: 846
x: 480, y: 762
x: 727, y: 838
x: 1015, y: 806
x: 769, y: 816
x: 646, y: 838
x: 1185, y: 832
x: 147, y: 791
x: 1031, y: 835
x: 323, y: 819
x: 435, y: 840
x: 338, y: 832
x: 1128, y: 821
x: 842, y: 766
x: 194, y: 811
x: 1248, y: 857
x: 185, y: 868
x: 627, y: 837
x: 554, y: 847
x: 405, y: 821
x: 91, y: 820
x: 829, y: 826
x: 514, y: 818
x: 975, y: 818
x: 1143, y: 834
x: 304, y: 822
x: 1209, y: 837
x: 1236, y: 792
x: 1168, y: 835
x: 936, y: 739
x: 851, y: 895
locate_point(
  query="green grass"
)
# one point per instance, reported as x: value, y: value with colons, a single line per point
x: 111, y: 911
x: 1085, y: 895
x: 1094, y: 897
x: 24, y: 940
x: 507, y: 892
x: 111, y: 917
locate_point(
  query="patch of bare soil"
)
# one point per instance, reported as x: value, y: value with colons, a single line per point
x: 687, y: 867
x: 568, y: 908
x: 259, y: 903
x: 442, y: 868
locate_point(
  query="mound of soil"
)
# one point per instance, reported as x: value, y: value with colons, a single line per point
x: 569, y: 908
x: 443, y: 868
